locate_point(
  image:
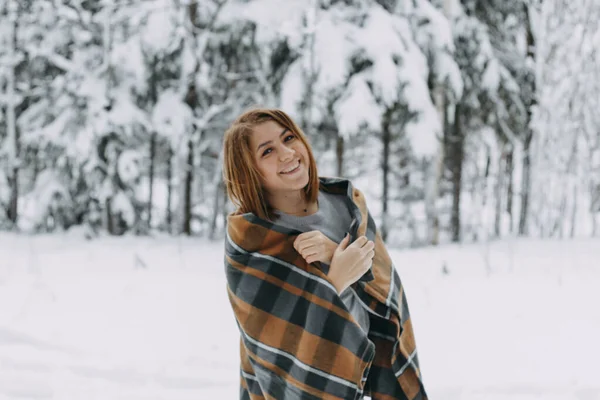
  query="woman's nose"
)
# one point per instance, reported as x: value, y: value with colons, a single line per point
x: 285, y: 153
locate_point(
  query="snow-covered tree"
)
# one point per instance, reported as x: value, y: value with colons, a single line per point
x: 10, y: 62
x: 477, y: 118
x: 565, y: 156
x: 489, y: 120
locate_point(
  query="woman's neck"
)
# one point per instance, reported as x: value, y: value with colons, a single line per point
x: 292, y: 203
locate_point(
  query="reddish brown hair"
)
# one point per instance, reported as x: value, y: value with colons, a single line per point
x: 242, y: 178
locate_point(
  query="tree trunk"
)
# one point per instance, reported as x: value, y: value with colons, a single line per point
x: 456, y: 158
x: 499, y: 198
x: 169, y: 217
x: 191, y: 99
x: 216, y: 207
x: 386, y: 138
x: 574, y: 210
x: 575, y: 178
x: 339, y: 152
x: 593, y: 215
x: 526, y: 180
x: 36, y: 165
x: 594, y: 192
x: 151, y: 177
x: 510, y: 189
x: 436, y: 171
x: 219, y: 188
x: 434, y: 176
x: 309, y: 70
x: 433, y: 179
x: 187, y: 200
x: 153, y: 94
x: 11, y: 117
x: 486, y: 194
x: 109, y: 223
x: 559, y: 222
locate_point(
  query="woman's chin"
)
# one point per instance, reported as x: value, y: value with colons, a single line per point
x: 303, y: 182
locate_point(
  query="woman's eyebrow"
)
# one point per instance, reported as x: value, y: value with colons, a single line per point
x: 270, y: 141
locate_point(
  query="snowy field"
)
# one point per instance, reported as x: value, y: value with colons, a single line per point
x: 149, y: 319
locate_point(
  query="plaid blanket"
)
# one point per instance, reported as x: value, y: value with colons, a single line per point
x: 298, y: 340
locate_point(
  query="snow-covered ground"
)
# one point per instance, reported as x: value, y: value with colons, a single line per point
x: 135, y: 318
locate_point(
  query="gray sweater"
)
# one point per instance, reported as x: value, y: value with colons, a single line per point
x: 333, y: 220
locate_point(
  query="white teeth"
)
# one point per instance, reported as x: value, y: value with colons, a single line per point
x: 291, y: 169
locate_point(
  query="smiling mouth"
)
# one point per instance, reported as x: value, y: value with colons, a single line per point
x: 292, y: 170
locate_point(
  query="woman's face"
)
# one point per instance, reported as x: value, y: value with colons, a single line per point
x: 281, y: 158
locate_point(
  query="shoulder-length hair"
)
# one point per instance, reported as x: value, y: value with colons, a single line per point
x: 241, y: 176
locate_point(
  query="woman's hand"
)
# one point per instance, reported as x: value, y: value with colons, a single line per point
x: 349, y: 263
x: 315, y: 246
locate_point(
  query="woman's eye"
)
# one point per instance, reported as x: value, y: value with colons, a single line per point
x: 290, y: 136
x: 266, y: 151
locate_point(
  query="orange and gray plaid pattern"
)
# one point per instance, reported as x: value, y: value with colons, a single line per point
x: 297, y: 338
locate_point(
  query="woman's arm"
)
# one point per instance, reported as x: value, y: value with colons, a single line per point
x: 348, y: 263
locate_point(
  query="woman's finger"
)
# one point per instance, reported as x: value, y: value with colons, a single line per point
x: 313, y: 257
x: 312, y: 235
x: 306, y: 243
x: 370, y: 245
x: 367, y: 247
x: 301, y: 238
x: 305, y: 246
x: 360, y: 242
x: 310, y: 251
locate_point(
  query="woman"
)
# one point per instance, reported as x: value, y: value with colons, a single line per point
x: 320, y: 307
